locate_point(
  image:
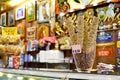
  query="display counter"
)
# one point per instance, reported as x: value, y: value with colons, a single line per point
x: 57, y: 75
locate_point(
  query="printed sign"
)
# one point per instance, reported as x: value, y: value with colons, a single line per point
x: 31, y: 33
x: 104, y: 37
x: 76, y: 49
x: 105, y: 51
x: 8, y: 31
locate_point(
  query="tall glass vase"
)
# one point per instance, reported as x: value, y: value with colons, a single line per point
x: 84, y: 61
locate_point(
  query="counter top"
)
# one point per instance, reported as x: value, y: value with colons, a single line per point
x: 59, y: 74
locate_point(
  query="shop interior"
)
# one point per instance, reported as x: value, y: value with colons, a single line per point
x: 65, y: 36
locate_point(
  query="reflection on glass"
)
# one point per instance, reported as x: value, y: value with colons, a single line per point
x: 9, y: 75
x: 6, y: 76
x: 20, y: 78
x: 1, y: 74
x: 31, y: 79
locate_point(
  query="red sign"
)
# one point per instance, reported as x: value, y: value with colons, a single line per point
x: 16, y: 62
x: 105, y: 51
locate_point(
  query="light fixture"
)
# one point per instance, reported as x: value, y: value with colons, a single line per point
x: 15, y: 2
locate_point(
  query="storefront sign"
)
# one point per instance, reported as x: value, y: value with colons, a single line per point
x: 8, y: 31
x: 105, y: 51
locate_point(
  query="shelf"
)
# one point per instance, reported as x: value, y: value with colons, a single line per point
x: 109, y: 30
x: 105, y: 44
x: 57, y: 74
x: 91, y: 6
x: 70, y: 66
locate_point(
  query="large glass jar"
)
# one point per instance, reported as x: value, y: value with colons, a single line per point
x: 84, y: 61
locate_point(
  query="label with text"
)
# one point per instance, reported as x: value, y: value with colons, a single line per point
x: 8, y: 31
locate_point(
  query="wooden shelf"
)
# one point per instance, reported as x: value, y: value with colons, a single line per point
x: 108, y: 30
x: 92, y: 6
x: 105, y: 44
x: 49, y: 65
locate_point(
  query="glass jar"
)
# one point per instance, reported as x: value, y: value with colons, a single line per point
x: 84, y: 61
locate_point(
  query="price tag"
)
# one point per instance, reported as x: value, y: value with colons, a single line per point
x: 8, y: 31
x: 76, y: 49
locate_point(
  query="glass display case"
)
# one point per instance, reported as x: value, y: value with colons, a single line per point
x: 9, y: 76
x: 71, y: 42
x: 17, y: 74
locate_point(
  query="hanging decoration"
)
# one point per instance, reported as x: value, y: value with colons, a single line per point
x: 43, y: 11
x: 43, y: 31
x: 61, y: 7
x: 22, y: 29
x: 30, y: 11
x: 110, y: 11
x: 101, y: 12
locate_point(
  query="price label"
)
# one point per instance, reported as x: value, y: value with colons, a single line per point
x: 8, y: 31
x: 76, y: 49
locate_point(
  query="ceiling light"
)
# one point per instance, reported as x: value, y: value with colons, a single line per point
x: 15, y: 2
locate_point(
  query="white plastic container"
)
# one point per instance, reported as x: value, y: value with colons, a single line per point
x: 54, y: 56
x: 51, y: 56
